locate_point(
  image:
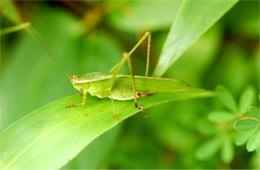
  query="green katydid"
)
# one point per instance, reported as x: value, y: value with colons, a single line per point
x: 103, y: 85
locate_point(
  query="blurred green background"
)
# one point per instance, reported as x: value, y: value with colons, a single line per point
x: 90, y: 36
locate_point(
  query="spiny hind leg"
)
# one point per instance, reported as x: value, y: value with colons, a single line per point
x: 126, y: 56
x: 134, y: 86
x: 114, y: 111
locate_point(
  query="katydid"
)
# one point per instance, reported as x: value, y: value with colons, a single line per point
x: 101, y: 84
x: 94, y: 84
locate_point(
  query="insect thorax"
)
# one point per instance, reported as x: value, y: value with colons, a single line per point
x: 96, y: 83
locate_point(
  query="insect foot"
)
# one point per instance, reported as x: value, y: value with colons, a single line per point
x: 70, y: 106
x: 143, y: 94
x: 117, y: 118
x: 142, y: 109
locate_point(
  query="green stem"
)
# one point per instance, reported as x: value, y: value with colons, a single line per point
x: 14, y: 28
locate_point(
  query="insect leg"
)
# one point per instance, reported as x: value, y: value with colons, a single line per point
x: 114, y: 111
x: 84, y: 97
x: 148, y: 55
x: 118, y: 67
x: 126, y: 56
x: 134, y: 87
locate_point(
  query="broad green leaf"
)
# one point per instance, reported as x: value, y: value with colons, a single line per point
x: 258, y: 150
x: 242, y: 137
x: 66, y: 131
x: 226, y: 98
x: 221, y: 116
x: 254, y: 111
x: 139, y: 16
x: 208, y: 149
x: 193, y: 19
x: 193, y: 71
x: 247, y: 98
x: 38, y: 74
x: 227, y: 150
x: 8, y: 9
x: 246, y: 124
x: 254, y: 141
x: 98, y: 149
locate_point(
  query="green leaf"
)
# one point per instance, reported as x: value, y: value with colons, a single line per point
x: 227, y: 150
x: 247, y: 99
x: 258, y: 151
x: 226, y: 98
x: 254, y: 111
x: 10, y: 11
x: 66, y: 131
x: 98, y: 149
x: 246, y: 124
x: 40, y: 85
x: 254, y: 141
x: 221, y: 116
x: 139, y: 16
x: 208, y: 149
x: 193, y: 19
x: 242, y: 137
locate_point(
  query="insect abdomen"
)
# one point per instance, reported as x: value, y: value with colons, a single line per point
x: 122, y: 93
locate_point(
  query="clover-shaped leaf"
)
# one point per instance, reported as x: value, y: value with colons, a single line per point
x: 208, y: 149
x: 246, y: 124
x: 226, y: 98
x: 254, y: 111
x: 246, y: 98
x: 221, y: 116
x: 254, y: 141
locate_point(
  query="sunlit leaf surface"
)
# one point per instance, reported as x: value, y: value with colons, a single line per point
x: 66, y: 131
x: 189, y: 24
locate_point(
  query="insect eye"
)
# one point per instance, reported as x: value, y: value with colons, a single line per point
x: 73, y: 79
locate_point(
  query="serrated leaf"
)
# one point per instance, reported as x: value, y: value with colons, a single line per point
x: 226, y: 98
x: 227, y: 150
x: 246, y: 124
x: 27, y: 143
x: 221, y: 116
x: 254, y: 111
x: 254, y: 141
x: 208, y: 149
x: 246, y: 99
x: 193, y: 19
x: 242, y: 137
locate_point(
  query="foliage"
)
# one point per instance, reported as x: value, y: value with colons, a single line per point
x: 55, y: 124
x: 222, y: 137
x: 90, y: 36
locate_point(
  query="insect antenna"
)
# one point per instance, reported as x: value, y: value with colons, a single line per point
x: 40, y: 40
x: 74, y: 68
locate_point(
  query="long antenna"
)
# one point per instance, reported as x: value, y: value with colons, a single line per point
x: 39, y: 39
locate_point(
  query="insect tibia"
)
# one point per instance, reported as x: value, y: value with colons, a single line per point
x: 147, y: 33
